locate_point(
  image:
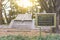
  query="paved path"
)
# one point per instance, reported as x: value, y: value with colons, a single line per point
x: 14, y: 32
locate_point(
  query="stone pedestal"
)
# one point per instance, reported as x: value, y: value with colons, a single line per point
x: 23, y: 22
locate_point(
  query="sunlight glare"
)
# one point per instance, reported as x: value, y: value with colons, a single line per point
x: 24, y: 3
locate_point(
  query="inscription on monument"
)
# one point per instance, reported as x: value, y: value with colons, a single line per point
x: 46, y: 19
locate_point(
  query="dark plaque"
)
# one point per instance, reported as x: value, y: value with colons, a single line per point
x: 46, y: 19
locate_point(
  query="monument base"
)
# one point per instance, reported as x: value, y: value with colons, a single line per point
x: 23, y: 22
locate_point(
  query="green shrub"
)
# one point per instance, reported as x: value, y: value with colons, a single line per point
x: 19, y: 37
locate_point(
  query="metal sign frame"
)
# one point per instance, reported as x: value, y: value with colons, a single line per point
x: 45, y: 14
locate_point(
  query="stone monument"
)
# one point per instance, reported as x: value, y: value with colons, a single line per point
x: 22, y: 22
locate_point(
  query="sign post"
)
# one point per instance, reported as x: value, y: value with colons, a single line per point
x: 45, y: 20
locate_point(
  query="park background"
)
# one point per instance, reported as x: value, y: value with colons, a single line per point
x: 9, y: 9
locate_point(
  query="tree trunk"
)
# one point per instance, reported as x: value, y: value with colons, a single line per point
x: 57, y: 22
x: 1, y: 17
x: 57, y: 4
x: 5, y: 16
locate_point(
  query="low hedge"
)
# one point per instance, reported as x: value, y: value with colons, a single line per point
x: 19, y: 37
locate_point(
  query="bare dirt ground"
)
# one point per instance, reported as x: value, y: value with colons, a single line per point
x: 4, y: 32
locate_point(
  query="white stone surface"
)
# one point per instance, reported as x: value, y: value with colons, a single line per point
x: 22, y: 22
x: 24, y: 17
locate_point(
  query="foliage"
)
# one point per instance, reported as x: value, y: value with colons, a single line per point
x: 48, y: 5
x: 19, y: 37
